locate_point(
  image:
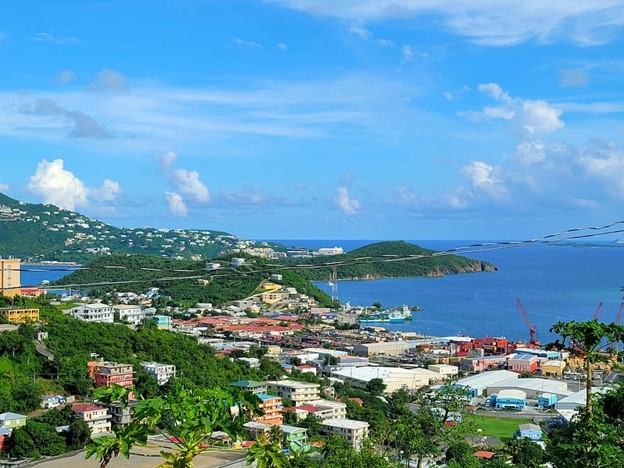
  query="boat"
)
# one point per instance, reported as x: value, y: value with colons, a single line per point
x: 44, y: 282
x: 388, y: 316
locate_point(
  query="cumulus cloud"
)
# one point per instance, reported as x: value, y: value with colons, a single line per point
x: 64, y: 77
x: 484, y: 179
x: 606, y: 165
x: 244, y: 43
x: 531, y: 152
x: 4, y: 187
x: 108, y: 80
x: 186, y: 182
x: 530, y: 116
x: 56, y: 185
x: 343, y: 200
x: 176, y: 204
x: 47, y: 37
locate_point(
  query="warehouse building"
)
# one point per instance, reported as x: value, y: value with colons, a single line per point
x: 387, y: 348
x: 394, y: 377
x: 478, y: 384
x: 533, y: 387
x: 509, y: 400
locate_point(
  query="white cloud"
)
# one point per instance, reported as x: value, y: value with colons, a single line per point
x: 384, y: 42
x: 347, y: 204
x: 4, y: 187
x: 64, y: 77
x: 244, y: 43
x: 495, y: 23
x: 531, y: 152
x: 47, y: 37
x: 167, y: 159
x: 540, y: 117
x: 56, y: 185
x: 360, y: 31
x: 282, y: 46
x: 176, y: 204
x: 108, y: 80
x: 485, y: 179
x: 606, y: 165
x: 531, y: 116
x: 189, y: 184
x: 407, y: 52
x: 59, y: 186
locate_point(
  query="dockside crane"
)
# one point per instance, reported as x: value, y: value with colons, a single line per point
x: 597, y: 313
x: 532, y: 328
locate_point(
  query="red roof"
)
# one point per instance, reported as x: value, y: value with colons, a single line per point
x: 86, y: 407
x: 357, y: 400
x: 484, y: 454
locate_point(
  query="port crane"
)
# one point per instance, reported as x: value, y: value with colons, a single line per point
x: 597, y: 313
x: 532, y: 328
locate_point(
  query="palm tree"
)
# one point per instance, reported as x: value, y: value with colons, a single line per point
x: 276, y: 435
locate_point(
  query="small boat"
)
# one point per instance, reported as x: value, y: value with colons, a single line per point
x: 44, y: 282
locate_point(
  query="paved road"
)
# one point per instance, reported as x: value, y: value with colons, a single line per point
x: 148, y: 457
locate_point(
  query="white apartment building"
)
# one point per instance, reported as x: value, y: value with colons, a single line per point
x: 388, y: 348
x: 130, y: 313
x: 298, y: 392
x: 324, y: 409
x: 159, y: 372
x: 93, y: 313
x: 445, y: 370
x: 354, y: 431
x: 96, y: 417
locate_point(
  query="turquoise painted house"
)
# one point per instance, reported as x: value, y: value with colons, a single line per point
x: 296, y: 438
x: 163, y: 322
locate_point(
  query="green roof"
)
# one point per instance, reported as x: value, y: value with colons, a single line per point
x: 247, y: 383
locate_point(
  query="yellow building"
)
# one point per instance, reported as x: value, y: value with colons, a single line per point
x: 16, y: 315
x: 10, y: 276
x: 553, y: 368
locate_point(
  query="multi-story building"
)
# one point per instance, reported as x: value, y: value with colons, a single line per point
x: 163, y: 322
x: 271, y: 406
x: 19, y: 315
x: 10, y: 276
x: 159, y: 372
x: 130, y: 313
x: 387, y: 348
x: 523, y: 363
x: 324, y: 409
x: 121, y: 416
x: 96, y: 417
x: 109, y: 373
x: 353, y: 431
x: 102, y: 313
x: 297, y: 392
x: 251, y: 386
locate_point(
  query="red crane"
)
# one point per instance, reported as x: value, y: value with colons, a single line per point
x: 618, y: 320
x: 597, y: 313
x: 532, y: 328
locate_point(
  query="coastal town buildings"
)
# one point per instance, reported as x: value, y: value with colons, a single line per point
x: 353, y: 431
x: 19, y: 315
x: 96, y: 417
x: 130, y: 313
x: 297, y: 392
x: 271, y: 406
x: 159, y: 372
x: 387, y: 348
x: 12, y: 421
x: 251, y: 386
x: 108, y: 373
x: 96, y: 312
x: 394, y: 378
x: 10, y: 276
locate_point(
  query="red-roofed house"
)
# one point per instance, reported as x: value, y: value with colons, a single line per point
x: 484, y: 454
x: 96, y: 417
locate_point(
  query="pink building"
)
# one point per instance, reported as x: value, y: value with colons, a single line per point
x: 109, y: 373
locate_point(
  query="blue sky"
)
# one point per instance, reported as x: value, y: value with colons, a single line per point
x: 374, y: 119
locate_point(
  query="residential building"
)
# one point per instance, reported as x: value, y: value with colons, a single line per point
x: 509, y: 399
x: 96, y: 417
x: 251, y: 386
x: 12, y: 420
x: 522, y: 363
x: 19, y: 315
x: 236, y: 262
x: 130, y: 313
x: 163, y: 322
x: 271, y: 297
x: 387, y: 348
x: 295, y: 438
x: 121, y: 416
x: 297, y: 392
x: 353, y: 431
x: 481, y: 363
x: 330, y: 251
x: 109, y: 373
x: 10, y: 276
x: 324, y: 409
x: 97, y: 312
x: 271, y: 406
x: 446, y: 371
x: 159, y: 372
x: 251, y: 362
x: 530, y: 431
x: 275, y: 277
x: 254, y: 429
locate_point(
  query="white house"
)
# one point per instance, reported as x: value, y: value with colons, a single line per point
x: 96, y: 417
x: 159, y: 372
x: 130, y: 313
x: 93, y: 313
x: 354, y: 431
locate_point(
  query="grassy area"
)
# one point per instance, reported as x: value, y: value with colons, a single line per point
x: 503, y: 428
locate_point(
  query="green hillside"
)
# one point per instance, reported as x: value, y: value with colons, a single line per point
x: 381, y: 260
x: 180, y: 278
x: 36, y: 232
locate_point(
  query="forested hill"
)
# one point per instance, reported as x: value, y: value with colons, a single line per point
x: 38, y: 232
x: 385, y: 260
x: 185, y: 281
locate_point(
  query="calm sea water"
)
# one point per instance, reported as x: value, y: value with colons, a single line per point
x: 33, y: 275
x: 553, y: 282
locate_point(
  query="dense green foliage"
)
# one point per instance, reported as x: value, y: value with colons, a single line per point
x: 379, y: 261
x: 46, y: 232
x: 139, y: 272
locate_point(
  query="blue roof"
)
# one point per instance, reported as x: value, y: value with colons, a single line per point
x: 4, y: 431
x: 265, y: 396
x: 7, y: 416
x: 290, y: 429
x: 525, y: 357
